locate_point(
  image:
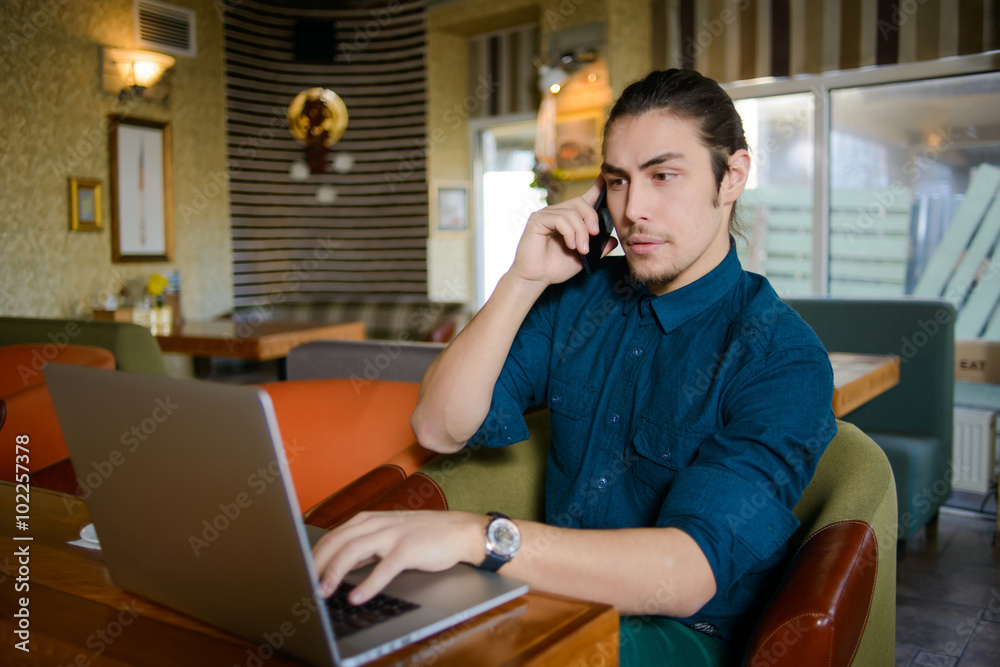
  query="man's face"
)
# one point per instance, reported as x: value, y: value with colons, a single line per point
x: 672, y: 219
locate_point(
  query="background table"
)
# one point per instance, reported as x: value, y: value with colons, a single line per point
x: 245, y: 340
x: 262, y: 341
x: 76, y: 612
x: 858, y: 378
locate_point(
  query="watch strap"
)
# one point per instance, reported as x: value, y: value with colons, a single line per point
x: 492, y: 562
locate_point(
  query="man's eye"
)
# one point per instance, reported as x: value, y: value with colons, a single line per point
x: 616, y: 182
x: 661, y: 177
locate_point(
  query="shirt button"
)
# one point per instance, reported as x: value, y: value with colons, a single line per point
x: 555, y: 400
x: 637, y: 352
x: 602, y: 482
x: 614, y: 418
x: 666, y: 456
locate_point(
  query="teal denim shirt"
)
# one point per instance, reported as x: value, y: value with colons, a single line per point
x: 706, y: 409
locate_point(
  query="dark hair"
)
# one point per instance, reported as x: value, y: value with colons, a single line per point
x: 688, y: 94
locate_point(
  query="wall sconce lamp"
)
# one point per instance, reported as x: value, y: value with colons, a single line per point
x: 551, y: 78
x: 131, y: 73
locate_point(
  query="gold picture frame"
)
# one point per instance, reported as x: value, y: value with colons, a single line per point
x: 142, y: 226
x: 86, y: 205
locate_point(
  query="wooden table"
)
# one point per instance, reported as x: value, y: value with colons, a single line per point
x: 858, y: 378
x: 261, y: 341
x: 77, y: 614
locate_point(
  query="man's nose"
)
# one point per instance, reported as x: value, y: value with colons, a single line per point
x: 637, y: 202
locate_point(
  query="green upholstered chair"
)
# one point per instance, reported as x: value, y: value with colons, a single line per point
x: 134, y: 347
x: 836, y: 604
x: 913, y: 421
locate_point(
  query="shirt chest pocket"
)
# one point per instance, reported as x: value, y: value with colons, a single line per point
x: 660, y: 453
x: 571, y: 408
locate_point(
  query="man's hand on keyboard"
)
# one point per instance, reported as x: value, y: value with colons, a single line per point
x: 424, y: 540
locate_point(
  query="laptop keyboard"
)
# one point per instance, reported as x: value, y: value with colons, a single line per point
x: 347, y: 618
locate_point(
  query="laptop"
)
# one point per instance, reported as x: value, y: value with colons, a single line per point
x: 189, y: 491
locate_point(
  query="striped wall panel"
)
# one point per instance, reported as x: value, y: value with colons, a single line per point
x: 731, y: 40
x: 370, y: 243
x: 505, y: 57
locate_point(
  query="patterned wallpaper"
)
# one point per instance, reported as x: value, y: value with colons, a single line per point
x: 53, y: 127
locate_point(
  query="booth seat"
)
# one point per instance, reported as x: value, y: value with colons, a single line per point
x: 362, y: 360
x: 25, y: 405
x: 913, y: 421
x: 836, y: 602
x: 384, y: 320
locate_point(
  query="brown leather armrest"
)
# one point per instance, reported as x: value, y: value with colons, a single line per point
x: 821, y: 607
x: 348, y: 501
x: 386, y: 488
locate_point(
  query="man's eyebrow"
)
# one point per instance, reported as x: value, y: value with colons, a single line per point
x: 669, y: 156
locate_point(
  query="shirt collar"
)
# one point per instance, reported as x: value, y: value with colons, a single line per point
x: 675, y: 308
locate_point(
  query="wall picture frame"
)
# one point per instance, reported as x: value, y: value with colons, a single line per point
x: 86, y: 204
x: 141, y: 193
x: 449, y: 204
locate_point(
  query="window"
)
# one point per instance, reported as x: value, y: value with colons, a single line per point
x: 879, y: 182
x: 504, y: 195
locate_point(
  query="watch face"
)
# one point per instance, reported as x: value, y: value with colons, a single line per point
x: 504, y: 538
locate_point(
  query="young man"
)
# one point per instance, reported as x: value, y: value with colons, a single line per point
x: 689, y: 405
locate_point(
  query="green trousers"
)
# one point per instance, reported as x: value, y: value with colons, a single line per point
x: 648, y: 641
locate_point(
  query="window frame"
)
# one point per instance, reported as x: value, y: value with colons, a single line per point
x: 820, y: 86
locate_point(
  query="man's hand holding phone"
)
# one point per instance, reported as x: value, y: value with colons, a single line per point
x: 557, y: 238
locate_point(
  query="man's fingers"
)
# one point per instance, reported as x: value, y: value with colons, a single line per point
x: 590, y: 196
x: 359, y: 551
x: 379, y: 578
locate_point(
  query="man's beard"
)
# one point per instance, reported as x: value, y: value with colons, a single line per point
x: 651, y: 281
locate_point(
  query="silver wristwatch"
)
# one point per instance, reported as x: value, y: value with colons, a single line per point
x: 503, y: 539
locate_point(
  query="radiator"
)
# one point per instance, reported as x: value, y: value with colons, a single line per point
x: 973, y: 450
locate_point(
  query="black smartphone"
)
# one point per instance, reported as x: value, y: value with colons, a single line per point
x: 597, y: 241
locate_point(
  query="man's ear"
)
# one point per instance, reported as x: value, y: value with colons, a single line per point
x: 736, y: 177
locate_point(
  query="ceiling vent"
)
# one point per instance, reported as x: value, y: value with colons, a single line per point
x: 165, y: 27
